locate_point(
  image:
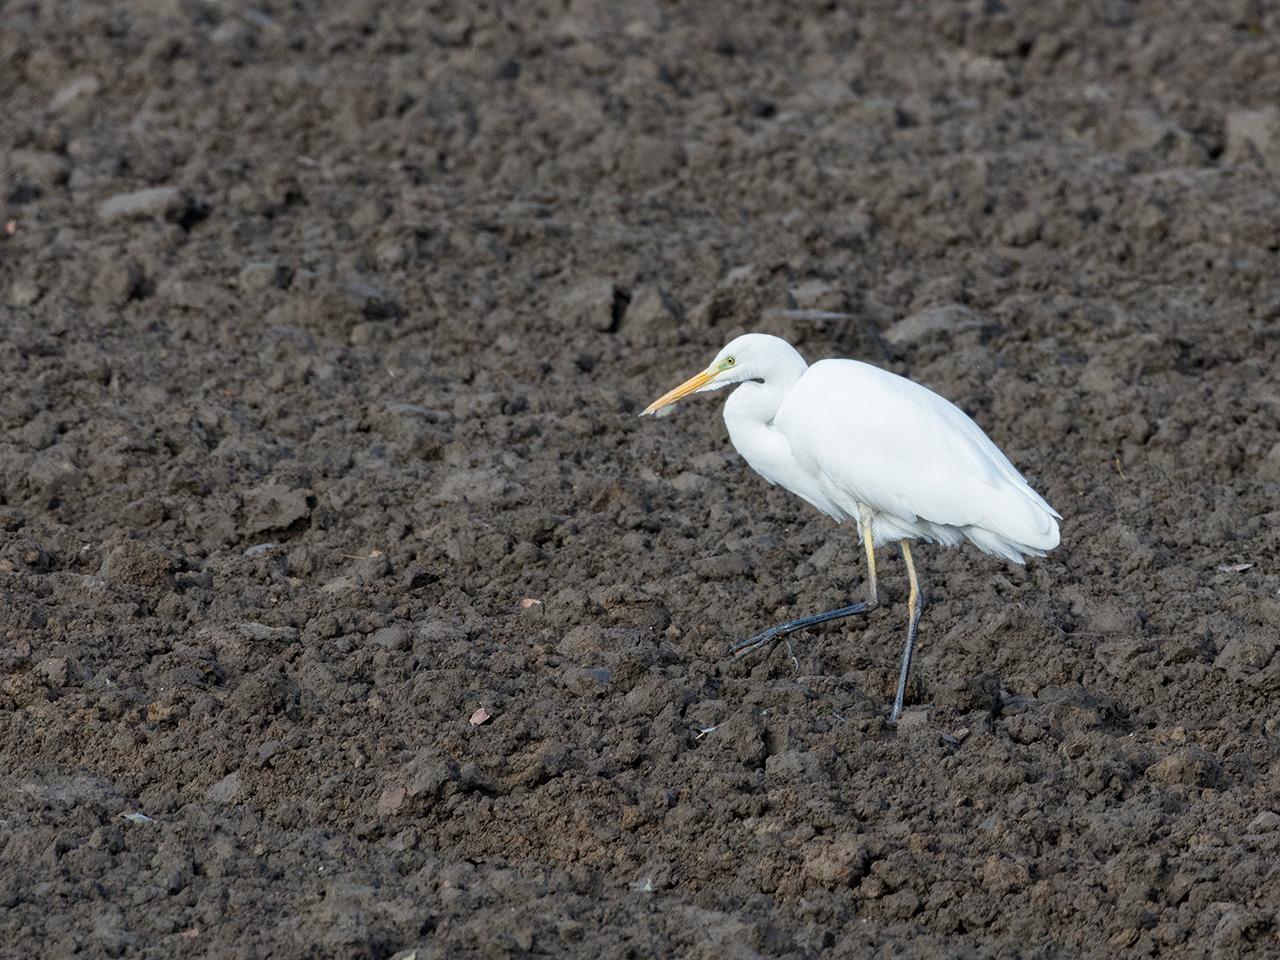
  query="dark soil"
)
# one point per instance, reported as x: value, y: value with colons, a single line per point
x: 328, y: 439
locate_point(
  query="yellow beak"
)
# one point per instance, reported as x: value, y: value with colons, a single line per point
x: 686, y: 388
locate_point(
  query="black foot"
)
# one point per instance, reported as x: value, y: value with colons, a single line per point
x: 744, y: 647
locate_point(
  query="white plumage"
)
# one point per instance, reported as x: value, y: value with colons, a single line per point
x: 859, y: 436
x: 864, y: 444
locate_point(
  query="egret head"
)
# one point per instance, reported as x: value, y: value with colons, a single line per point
x: 752, y: 356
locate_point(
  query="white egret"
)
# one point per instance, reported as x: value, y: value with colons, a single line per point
x: 863, y: 444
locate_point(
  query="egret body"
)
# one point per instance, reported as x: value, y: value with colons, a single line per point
x: 863, y: 444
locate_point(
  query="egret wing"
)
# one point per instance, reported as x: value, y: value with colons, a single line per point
x: 872, y: 437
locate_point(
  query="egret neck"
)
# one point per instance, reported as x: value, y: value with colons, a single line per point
x: 749, y: 413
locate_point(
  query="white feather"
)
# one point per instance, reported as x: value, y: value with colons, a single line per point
x: 845, y: 435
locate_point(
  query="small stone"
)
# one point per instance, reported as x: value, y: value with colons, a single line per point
x: 793, y: 765
x: 436, y: 633
x: 262, y: 633
x: 932, y: 322
x: 150, y: 202
x: 40, y: 432
x: 985, y: 71
x: 370, y: 332
x: 416, y: 577
x: 728, y: 566
x: 597, y: 303
x: 958, y: 693
x: 226, y: 790
x: 52, y: 472
x: 1140, y: 128
x: 32, y: 554
x: 269, y: 749
x: 1267, y: 821
x: 648, y: 159
x: 913, y: 721
x: 839, y: 864
x: 1124, y: 939
x: 54, y: 671
x: 262, y: 275
x: 427, y: 777
x: 231, y: 31
x: 75, y: 90
x: 24, y: 292
x: 40, y: 167
x: 650, y: 308
x: 1190, y: 766
x: 1022, y: 229
x: 139, y: 564
x: 274, y: 506
x: 1254, y: 132
x: 391, y: 801
x: 373, y: 301
x: 453, y: 33
x: 372, y: 567
x: 1269, y: 467
x: 395, y: 637
x: 118, y: 282
x: 689, y: 481
x: 1151, y: 220
x: 818, y: 295
x: 1246, y: 655
x: 587, y: 682
x: 327, y: 312
x: 738, y: 294
x: 391, y: 256
x: 1002, y: 876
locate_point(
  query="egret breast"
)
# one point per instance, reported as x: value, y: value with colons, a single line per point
x: 769, y: 454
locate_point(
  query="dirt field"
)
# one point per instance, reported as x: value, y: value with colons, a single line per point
x: 325, y: 328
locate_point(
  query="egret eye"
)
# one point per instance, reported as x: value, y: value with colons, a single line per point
x: 730, y: 362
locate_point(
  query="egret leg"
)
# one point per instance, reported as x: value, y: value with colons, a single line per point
x: 743, y: 647
x: 916, y: 603
x: 864, y: 525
